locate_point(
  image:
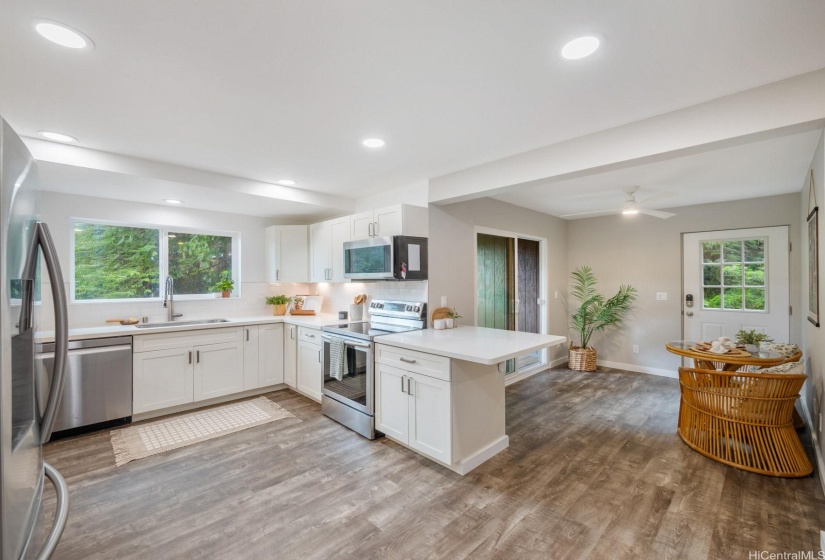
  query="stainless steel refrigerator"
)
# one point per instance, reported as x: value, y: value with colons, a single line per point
x: 25, y: 425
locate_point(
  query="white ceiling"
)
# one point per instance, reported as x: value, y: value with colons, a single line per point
x: 284, y: 88
x: 766, y: 168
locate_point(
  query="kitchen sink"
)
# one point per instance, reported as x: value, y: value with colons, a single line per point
x: 180, y: 323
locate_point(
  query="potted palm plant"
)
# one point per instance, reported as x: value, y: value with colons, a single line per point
x: 595, y: 313
x: 225, y: 285
x: 278, y: 304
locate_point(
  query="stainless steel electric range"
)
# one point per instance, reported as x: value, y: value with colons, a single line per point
x: 348, y: 394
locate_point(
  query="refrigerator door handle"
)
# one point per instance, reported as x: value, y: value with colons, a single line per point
x: 61, y: 328
x: 60, y: 516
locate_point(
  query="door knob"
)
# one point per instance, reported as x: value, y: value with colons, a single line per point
x: 689, y: 313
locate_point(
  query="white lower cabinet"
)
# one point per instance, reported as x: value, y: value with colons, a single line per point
x: 218, y: 370
x: 291, y: 355
x: 415, y: 410
x: 271, y: 354
x: 251, y: 362
x: 162, y: 378
x: 310, y: 363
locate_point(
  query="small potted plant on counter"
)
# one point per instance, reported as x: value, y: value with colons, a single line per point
x: 594, y: 314
x: 278, y: 304
x: 751, y: 340
x: 225, y: 285
x: 452, y: 318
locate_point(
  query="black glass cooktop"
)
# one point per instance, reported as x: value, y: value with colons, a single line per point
x: 365, y: 330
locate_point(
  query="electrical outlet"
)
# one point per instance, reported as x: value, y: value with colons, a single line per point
x: 635, y: 348
x: 661, y: 296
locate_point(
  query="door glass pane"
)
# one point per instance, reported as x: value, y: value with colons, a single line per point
x: 732, y: 298
x: 732, y: 275
x: 755, y: 250
x: 755, y: 299
x: 713, y: 298
x: 755, y: 274
x: 732, y: 251
x: 711, y: 251
x: 713, y: 275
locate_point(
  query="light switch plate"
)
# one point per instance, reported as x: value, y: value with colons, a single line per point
x: 661, y: 296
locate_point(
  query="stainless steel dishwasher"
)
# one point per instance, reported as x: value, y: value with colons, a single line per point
x: 98, y: 388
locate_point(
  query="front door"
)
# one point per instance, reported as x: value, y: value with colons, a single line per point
x: 736, y: 280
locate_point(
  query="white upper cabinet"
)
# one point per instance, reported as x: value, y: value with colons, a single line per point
x: 327, y: 243
x: 401, y: 219
x: 287, y: 254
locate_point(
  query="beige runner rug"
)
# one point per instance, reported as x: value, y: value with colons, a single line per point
x: 152, y: 438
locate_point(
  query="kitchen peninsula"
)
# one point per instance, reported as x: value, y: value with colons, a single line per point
x: 441, y: 392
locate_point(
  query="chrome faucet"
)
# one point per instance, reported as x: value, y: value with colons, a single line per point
x: 169, y: 300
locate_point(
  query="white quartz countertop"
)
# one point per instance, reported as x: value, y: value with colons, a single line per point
x: 473, y: 344
x: 106, y: 331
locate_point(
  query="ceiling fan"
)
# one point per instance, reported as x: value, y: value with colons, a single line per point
x: 629, y: 208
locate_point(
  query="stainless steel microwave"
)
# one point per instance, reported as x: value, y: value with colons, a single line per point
x: 399, y: 257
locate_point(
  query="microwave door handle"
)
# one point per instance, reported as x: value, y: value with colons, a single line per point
x: 61, y: 328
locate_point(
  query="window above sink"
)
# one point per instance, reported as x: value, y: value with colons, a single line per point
x: 126, y: 262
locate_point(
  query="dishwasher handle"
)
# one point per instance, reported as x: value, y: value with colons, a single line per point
x: 83, y: 351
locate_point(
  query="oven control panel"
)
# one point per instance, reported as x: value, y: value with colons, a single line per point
x: 400, y: 309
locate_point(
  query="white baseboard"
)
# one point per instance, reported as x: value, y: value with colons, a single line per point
x: 673, y: 374
x: 482, y: 455
x: 558, y: 361
x: 820, y: 462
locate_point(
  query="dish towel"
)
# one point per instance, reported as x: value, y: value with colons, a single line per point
x: 337, y: 352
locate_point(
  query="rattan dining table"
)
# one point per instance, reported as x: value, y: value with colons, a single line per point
x: 729, y: 361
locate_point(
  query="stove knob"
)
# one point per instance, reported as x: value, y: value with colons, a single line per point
x: 408, y: 308
x: 417, y: 309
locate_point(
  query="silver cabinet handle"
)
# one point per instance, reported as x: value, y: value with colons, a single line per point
x: 247, y: 334
x: 197, y: 356
x: 292, y: 333
x: 320, y: 361
x: 310, y: 336
x: 375, y: 229
x: 370, y: 229
x: 61, y: 515
x: 278, y: 274
x: 409, y: 386
x: 403, y: 377
x: 42, y: 238
x: 190, y: 356
x: 406, y: 360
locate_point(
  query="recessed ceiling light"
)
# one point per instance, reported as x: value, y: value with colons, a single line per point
x: 286, y: 182
x: 580, y: 48
x: 374, y: 143
x: 173, y: 201
x: 63, y: 35
x: 57, y: 136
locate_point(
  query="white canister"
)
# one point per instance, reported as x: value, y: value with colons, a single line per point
x: 450, y: 323
x: 440, y: 324
x: 356, y: 312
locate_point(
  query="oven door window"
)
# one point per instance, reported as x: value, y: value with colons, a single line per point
x: 353, y: 386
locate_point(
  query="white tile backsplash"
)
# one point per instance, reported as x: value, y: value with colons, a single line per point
x: 338, y: 297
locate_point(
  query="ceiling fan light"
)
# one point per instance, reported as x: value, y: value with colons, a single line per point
x: 630, y: 208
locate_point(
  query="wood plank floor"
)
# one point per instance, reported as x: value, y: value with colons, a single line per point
x: 594, y: 470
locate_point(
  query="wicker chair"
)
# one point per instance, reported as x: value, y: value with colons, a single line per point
x: 743, y: 420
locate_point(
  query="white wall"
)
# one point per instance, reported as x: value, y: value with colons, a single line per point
x: 58, y: 209
x: 452, y: 245
x: 813, y: 338
x: 646, y: 253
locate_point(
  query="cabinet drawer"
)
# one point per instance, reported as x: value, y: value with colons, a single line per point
x: 410, y: 360
x: 309, y: 335
x: 181, y: 339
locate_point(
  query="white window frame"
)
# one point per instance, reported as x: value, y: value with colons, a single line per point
x: 163, y: 258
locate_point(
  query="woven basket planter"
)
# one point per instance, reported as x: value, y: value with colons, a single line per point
x: 581, y: 359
